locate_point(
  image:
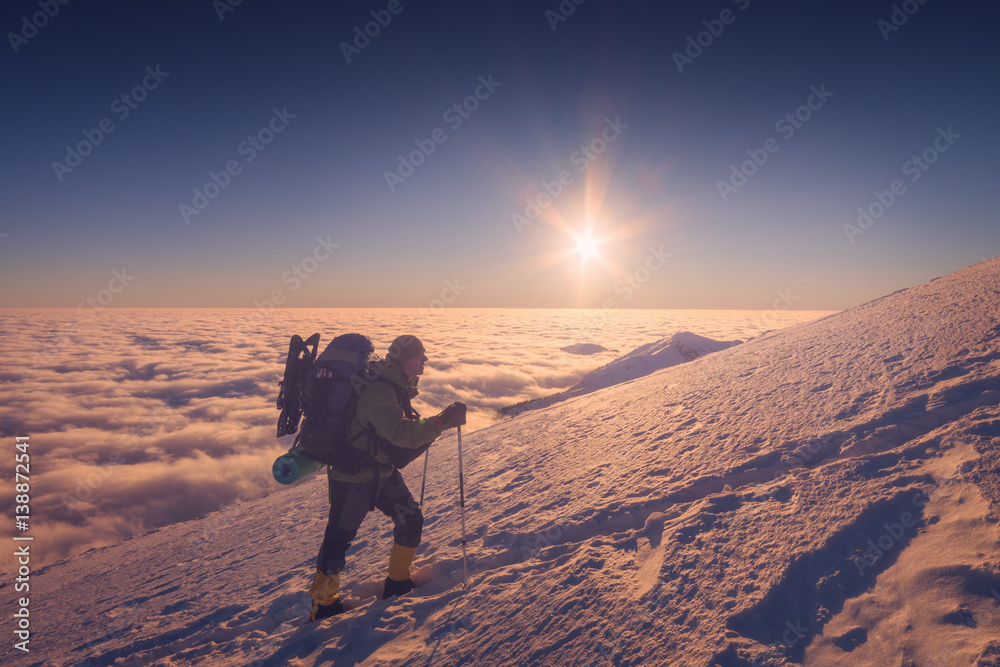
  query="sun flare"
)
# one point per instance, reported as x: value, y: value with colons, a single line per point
x: 586, y: 247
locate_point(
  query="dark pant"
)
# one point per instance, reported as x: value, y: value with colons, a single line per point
x: 350, y: 503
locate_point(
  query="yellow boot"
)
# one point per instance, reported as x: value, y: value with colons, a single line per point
x: 324, y: 592
x: 398, y: 582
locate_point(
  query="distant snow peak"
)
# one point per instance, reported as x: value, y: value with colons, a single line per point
x: 688, y: 345
x: 643, y: 360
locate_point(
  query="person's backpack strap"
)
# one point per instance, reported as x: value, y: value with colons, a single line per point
x: 402, y: 397
x: 398, y: 456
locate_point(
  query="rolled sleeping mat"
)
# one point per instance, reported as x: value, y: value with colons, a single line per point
x: 293, y: 466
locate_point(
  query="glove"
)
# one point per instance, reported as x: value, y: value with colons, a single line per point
x: 452, y: 416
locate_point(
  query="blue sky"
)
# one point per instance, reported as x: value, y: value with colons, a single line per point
x: 644, y: 109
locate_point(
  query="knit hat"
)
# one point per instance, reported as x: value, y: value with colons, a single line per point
x: 405, y: 348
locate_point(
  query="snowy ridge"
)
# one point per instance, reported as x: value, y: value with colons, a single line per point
x: 822, y: 495
x: 645, y: 359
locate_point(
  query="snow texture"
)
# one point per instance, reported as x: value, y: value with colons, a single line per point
x: 825, y: 495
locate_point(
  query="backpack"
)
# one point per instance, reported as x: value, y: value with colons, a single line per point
x: 325, y: 390
x: 329, y: 400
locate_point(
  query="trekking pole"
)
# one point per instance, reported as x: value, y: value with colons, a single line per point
x: 461, y: 502
x: 423, y: 482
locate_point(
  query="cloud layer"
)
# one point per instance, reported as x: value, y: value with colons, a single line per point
x: 142, y: 418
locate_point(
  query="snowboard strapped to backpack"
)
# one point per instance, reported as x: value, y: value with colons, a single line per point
x: 325, y: 391
x: 301, y: 355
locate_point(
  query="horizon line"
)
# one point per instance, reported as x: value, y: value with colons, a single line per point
x: 422, y: 308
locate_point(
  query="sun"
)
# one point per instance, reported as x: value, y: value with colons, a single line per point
x: 587, y: 247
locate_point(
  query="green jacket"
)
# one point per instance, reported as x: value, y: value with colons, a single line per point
x: 377, y: 405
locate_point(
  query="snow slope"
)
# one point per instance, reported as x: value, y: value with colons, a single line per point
x: 645, y: 359
x: 826, y: 494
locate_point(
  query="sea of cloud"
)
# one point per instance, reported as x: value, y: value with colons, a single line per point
x: 139, y: 418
